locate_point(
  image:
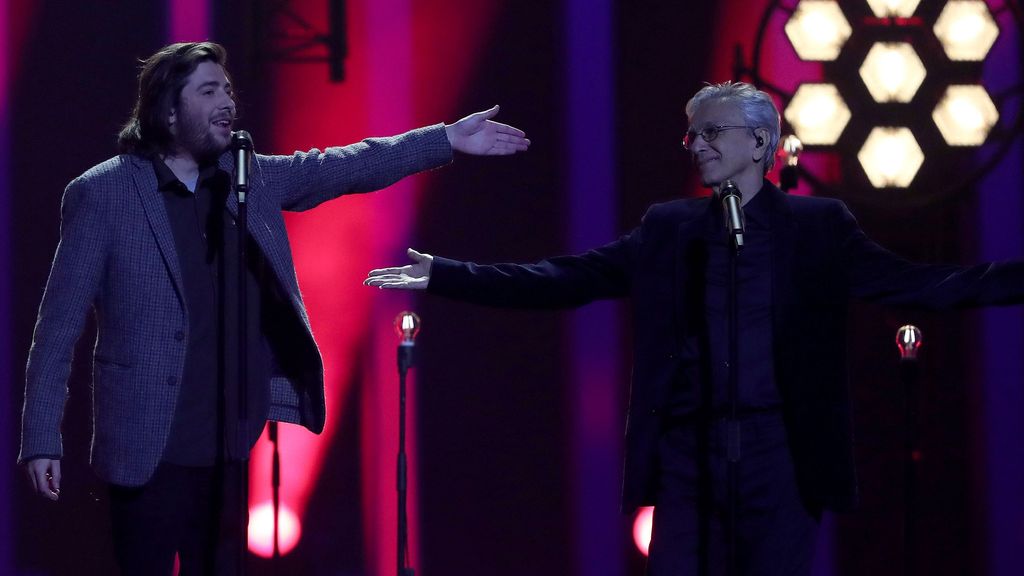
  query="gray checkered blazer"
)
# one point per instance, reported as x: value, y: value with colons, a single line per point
x: 117, y: 257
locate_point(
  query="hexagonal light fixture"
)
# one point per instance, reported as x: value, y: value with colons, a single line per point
x: 893, y: 8
x: 892, y: 71
x: 890, y: 157
x: 966, y: 29
x: 965, y: 115
x: 818, y: 114
x: 817, y: 30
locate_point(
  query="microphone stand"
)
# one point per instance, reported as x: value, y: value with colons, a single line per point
x: 908, y: 338
x: 275, y: 491
x: 242, y: 144
x: 734, y: 226
x: 407, y: 325
x: 733, y: 424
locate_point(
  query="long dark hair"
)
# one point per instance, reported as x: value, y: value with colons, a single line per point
x: 161, y: 79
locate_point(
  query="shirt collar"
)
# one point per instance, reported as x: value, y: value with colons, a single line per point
x: 167, y: 181
x: 758, y: 209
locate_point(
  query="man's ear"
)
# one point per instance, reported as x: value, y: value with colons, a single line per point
x: 760, y: 137
x: 760, y: 143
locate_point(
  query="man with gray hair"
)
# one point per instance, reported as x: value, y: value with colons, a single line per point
x: 802, y: 259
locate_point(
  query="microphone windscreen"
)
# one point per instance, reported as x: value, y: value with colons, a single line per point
x: 729, y: 188
x: 241, y: 140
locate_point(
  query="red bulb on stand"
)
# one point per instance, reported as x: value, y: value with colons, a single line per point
x: 407, y: 326
x: 908, y: 338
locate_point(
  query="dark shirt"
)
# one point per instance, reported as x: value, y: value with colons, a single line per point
x: 206, y: 242
x: 706, y: 369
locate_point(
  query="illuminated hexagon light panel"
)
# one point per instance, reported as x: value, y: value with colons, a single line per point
x: 965, y: 115
x: 966, y: 29
x: 890, y: 157
x: 893, y: 8
x: 892, y: 71
x: 818, y: 114
x: 817, y: 30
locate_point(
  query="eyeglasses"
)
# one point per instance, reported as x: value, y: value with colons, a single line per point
x: 708, y: 134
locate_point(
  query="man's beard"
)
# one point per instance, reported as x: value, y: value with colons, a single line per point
x: 196, y: 138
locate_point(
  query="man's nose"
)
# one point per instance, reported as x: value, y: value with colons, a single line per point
x: 699, y: 143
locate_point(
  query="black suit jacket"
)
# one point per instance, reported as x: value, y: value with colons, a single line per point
x: 820, y: 259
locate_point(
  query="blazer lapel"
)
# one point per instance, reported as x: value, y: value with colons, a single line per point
x: 258, y: 229
x: 691, y: 256
x: 156, y: 214
x: 264, y: 237
x: 784, y: 289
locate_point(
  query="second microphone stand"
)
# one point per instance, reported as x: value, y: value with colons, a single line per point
x: 908, y: 338
x: 407, y: 325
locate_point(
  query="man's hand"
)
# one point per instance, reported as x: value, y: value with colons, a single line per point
x: 45, y: 477
x: 412, y: 277
x: 477, y: 134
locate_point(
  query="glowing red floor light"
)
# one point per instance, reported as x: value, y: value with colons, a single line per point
x: 261, y: 530
x: 642, y: 528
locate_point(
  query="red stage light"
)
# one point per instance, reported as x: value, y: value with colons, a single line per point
x: 261, y: 530
x: 642, y: 528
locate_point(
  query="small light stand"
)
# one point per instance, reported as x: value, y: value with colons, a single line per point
x: 908, y: 339
x: 407, y: 326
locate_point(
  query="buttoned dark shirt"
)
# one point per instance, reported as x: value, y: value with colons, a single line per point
x: 206, y: 242
x: 704, y: 381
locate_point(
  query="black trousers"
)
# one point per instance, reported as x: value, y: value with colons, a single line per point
x: 183, y: 510
x: 775, y: 532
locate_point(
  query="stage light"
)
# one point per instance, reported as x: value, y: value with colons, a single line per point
x: 817, y: 114
x: 642, y: 524
x: 890, y: 157
x: 965, y: 115
x: 966, y: 29
x: 792, y: 148
x: 893, y: 8
x: 892, y: 71
x: 817, y: 30
x: 913, y: 58
x: 908, y: 339
x: 261, y: 530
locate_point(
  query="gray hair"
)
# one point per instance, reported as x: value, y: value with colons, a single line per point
x: 758, y: 109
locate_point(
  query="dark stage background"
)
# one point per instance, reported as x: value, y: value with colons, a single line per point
x: 515, y: 470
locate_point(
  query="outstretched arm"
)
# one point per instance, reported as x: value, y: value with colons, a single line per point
x: 477, y: 134
x: 415, y: 276
x: 558, y: 282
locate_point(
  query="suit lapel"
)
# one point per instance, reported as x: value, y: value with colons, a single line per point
x: 258, y: 229
x: 270, y: 247
x: 784, y: 289
x: 156, y: 215
x: 692, y: 236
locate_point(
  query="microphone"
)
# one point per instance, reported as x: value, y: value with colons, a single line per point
x: 731, y: 198
x: 241, y: 144
x: 407, y: 326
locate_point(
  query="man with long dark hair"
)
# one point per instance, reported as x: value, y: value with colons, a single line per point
x: 802, y: 259
x: 147, y: 242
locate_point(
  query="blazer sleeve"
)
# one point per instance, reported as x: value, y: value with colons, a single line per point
x: 876, y: 274
x: 559, y: 282
x: 307, y: 179
x: 75, y: 279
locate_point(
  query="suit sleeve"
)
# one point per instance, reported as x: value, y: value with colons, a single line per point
x: 307, y: 179
x: 75, y: 278
x: 560, y: 282
x: 876, y: 274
